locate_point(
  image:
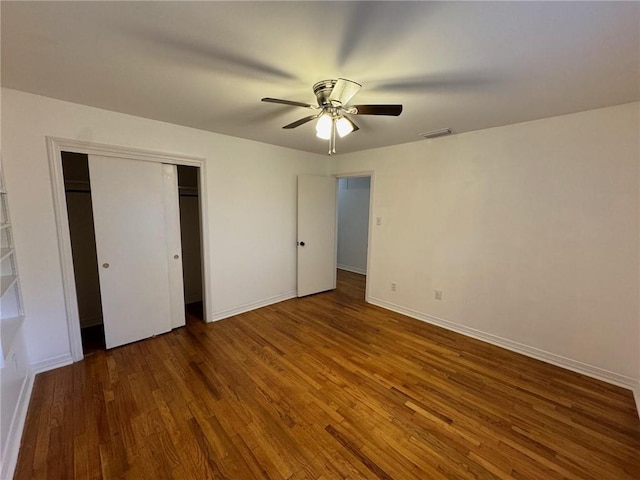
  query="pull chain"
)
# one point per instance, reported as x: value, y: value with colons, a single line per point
x: 332, y: 138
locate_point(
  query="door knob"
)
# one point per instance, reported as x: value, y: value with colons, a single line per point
x: 302, y: 244
x: 176, y: 256
x: 105, y: 265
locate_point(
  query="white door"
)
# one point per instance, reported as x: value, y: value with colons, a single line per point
x: 131, y: 243
x: 316, y: 234
x: 174, y: 244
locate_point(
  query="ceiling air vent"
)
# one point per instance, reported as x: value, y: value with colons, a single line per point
x: 437, y: 133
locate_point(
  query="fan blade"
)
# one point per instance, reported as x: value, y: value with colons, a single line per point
x: 302, y: 121
x: 394, y: 110
x: 288, y: 102
x: 461, y: 81
x: 343, y: 91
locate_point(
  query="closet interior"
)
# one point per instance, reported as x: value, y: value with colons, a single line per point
x: 189, y: 195
x: 75, y: 167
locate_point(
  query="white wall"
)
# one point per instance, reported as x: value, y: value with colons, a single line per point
x: 251, y: 199
x: 530, y: 230
x: 353, y: 223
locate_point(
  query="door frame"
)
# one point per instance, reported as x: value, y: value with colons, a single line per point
x: 372, y: 175
x: 55, y: 147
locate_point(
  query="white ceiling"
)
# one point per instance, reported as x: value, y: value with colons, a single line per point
x: 462, y: 65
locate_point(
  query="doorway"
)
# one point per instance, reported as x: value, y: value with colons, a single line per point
x: 78, y: 184
x: 77, y: 188
x: 354, y: 204
x: 190, y: 232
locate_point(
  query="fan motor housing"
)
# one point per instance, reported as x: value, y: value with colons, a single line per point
x: 323, y: 90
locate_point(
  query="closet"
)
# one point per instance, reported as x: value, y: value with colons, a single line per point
x: 188, y: 189
x: 124, y: 225
x: 83, y: 243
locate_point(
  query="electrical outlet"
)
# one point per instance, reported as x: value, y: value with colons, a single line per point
x: 378, y: 220
x: 394, y: 286
x: 438, y: 294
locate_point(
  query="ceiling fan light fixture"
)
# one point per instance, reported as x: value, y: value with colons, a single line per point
x: 324, y: 126
x: 344, y: 126
x: 333, y: 97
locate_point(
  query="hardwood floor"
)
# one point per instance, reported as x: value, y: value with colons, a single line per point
x: 325, y: 387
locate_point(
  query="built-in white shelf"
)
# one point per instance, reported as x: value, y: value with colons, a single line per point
x: 11, y: 313
x: 6, y: 283
x: 9, y: 328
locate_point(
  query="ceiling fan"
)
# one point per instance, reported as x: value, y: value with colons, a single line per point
x: 332, y: 109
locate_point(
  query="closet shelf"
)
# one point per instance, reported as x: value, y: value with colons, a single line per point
x: 188, y: 190
x: 4, y: 225
x: 5, y: 252
x: 77, y: 185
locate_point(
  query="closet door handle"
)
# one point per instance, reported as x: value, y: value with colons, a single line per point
x: 105, y: 265
x: 176, y: 256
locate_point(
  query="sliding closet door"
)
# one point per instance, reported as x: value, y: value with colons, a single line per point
x: 174, y: 244
x: 131, y: 242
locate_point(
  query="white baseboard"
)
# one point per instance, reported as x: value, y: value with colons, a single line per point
x: 548, y: 357
x: 51, y: 363
x: 91, y: 321
x: 636, y: 395
x: 215, y: 316
x: 12, y: 448
x: 348, y: 268
x: 193, y: 299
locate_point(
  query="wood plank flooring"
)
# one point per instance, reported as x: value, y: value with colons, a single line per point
x: 325, y: 387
